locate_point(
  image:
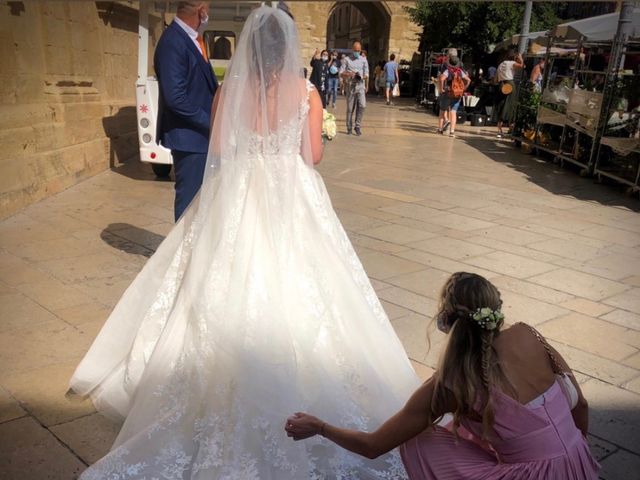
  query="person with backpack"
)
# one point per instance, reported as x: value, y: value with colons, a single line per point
x: 453, y: 81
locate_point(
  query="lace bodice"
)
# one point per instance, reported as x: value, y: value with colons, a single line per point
x: 288, y: 138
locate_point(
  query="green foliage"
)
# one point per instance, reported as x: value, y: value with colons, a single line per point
x: 527, y: 108
x: 474, y: 26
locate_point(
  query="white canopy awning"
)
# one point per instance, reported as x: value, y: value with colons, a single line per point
x: 514, y: 39
x: 600, y: 28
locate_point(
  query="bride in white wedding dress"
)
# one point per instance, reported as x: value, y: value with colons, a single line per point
x: 253, y: 307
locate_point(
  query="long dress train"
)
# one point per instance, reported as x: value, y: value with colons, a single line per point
x: 255, y: 306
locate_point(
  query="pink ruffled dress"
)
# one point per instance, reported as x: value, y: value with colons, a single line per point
x: 538, y: 441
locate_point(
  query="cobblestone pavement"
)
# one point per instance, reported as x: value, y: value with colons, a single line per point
x: 564, y: 252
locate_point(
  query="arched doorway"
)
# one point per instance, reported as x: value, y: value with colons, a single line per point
x: 368, y: 22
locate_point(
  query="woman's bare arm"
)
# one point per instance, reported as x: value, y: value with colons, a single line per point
x: 214, y: 106
x: 442, y: 79
x: 404, y: 425
x: 519, y: 61
x: 315, y: 126
x: 214, y: 111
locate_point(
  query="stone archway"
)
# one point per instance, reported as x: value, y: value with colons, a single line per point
x: 401, y: 36
x: 368, y: 22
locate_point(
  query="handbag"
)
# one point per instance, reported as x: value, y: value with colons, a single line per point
x: 396, y: 90
x: 506, y: 88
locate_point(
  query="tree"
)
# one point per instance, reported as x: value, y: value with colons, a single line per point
x: 475, y: 26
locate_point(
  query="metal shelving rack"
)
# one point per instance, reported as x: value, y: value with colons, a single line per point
x: 571, y: 115
x: 428, y: 94
x: 551, y: 113
x: 618, y: 155
x: 583, y: 125
x: 523, y: 109
x: 589, y: 115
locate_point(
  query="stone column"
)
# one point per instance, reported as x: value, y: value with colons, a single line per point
x: 404, y: 35
x: 311, y: 19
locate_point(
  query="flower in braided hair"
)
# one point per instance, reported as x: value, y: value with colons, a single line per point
x: 487, y: 318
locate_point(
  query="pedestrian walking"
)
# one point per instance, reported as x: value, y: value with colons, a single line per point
x: 354, y: 70
x: 391, y: 76
x: 453, y: 81
x: 366, y: 79
x: 378, y: 77
x: 443, y: 60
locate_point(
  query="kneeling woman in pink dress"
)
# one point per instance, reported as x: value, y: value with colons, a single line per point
x: 518, y: 412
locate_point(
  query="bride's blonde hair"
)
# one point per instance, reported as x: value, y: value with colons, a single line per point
x: 468, y: 368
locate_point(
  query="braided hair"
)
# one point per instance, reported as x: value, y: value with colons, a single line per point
x: 468, y: 369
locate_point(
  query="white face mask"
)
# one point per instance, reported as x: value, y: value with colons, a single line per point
x: 325, y: 58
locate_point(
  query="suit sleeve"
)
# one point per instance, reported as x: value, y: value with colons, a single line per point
x: 172, y: 73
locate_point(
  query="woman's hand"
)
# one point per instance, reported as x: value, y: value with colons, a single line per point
x: 301, y: 426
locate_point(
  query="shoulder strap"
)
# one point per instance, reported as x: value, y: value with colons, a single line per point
x: 552, y: 358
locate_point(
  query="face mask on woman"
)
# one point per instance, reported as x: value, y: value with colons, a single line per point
x: 325, y: 58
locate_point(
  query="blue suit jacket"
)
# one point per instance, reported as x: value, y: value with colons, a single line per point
x: 187, y: 86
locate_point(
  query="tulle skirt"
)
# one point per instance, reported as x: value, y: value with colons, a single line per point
x: 254, y: 307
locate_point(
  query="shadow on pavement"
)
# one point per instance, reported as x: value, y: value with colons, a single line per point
x: 131, y: 239
x: 138, y: 170
x: 551, y: 177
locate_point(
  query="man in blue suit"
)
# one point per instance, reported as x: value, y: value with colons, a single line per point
x: 187, y: 87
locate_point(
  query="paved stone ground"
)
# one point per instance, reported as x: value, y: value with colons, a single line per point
x: 564, y: 252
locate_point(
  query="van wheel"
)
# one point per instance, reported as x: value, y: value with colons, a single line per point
x: 161, y: 170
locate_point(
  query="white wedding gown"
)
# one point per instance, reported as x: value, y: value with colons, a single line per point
x: 254, y: 307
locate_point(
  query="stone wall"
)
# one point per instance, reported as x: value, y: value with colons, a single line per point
x: 67, y: 87
x: 67, y: 94
x: 404, y: 35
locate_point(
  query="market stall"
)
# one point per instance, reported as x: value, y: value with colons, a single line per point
x: 618, y: 154
x: 589, y: 79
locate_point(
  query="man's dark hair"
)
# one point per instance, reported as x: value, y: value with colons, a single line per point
x: 393, y: 57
